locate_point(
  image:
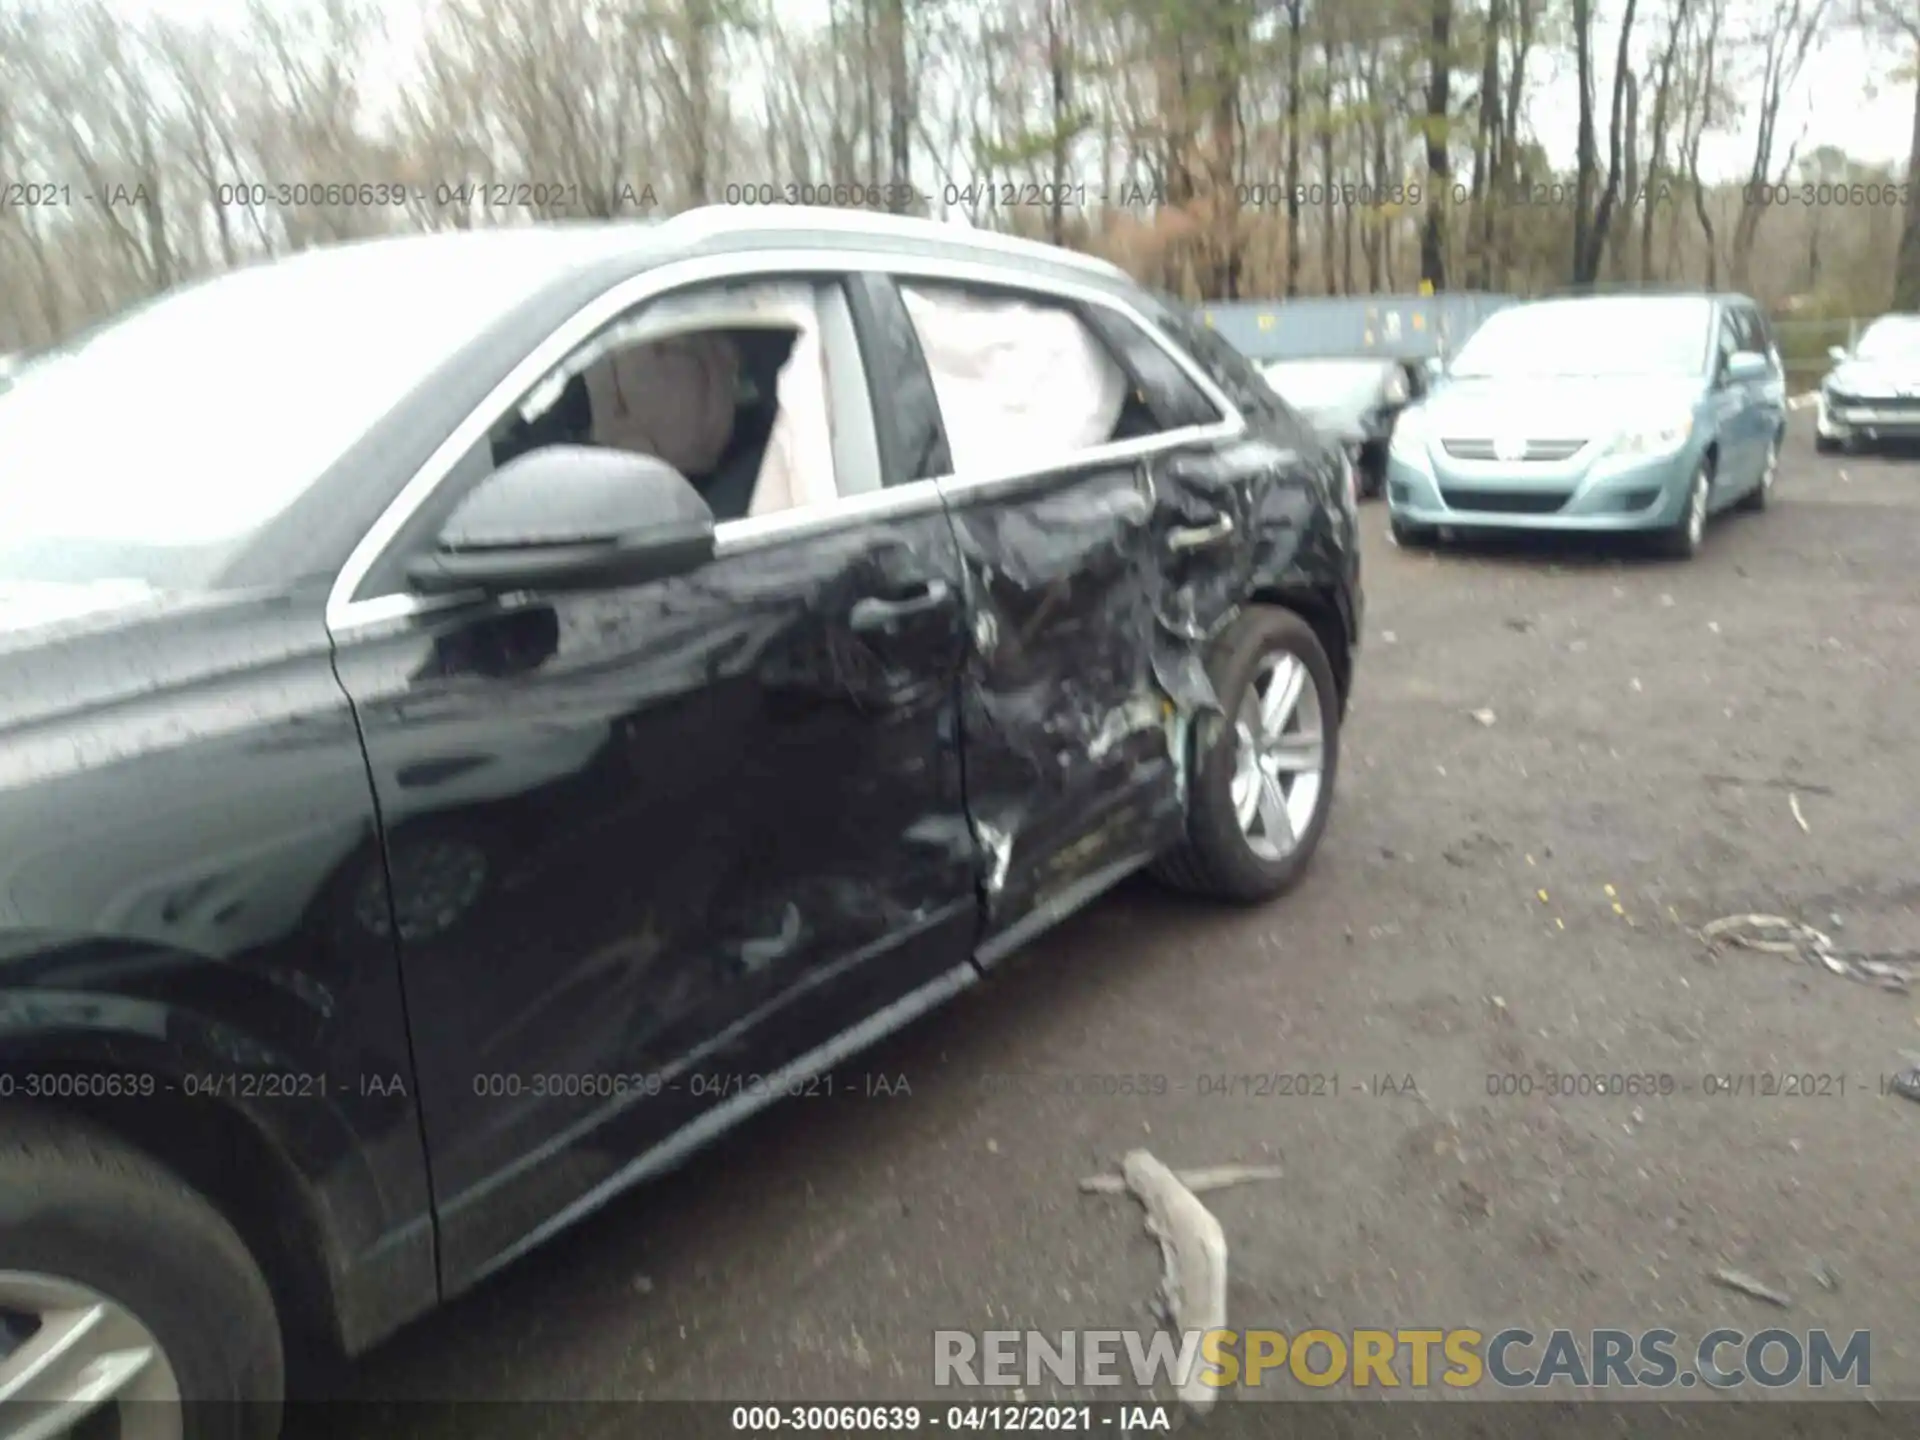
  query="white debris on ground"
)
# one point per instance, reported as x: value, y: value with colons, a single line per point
x: 1193, y: 1255
x: 1777, y: 935
x: 1217, y: 1177
x: 1747, y: 1285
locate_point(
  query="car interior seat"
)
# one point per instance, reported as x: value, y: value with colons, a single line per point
x: 728, y: 487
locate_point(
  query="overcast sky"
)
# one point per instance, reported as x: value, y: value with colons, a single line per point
x: 1840, y: 100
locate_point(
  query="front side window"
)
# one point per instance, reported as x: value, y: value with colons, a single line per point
x: 1616, y: 336
x: 142, y: 456
x: 726, y: 385
x: 1730, y: 341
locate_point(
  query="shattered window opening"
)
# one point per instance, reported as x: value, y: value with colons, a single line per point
x: 729, y: 387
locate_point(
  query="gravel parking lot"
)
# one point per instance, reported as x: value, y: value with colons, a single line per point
x: 1492, y: 899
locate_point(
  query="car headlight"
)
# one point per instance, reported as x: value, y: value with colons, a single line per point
x: 1409, y: 438
x: 1663, y: 437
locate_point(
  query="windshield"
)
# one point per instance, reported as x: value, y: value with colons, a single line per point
x: 1637, y: 335
x: 1311, y: 384
x: 143, y: 454
x: 1896, y: 337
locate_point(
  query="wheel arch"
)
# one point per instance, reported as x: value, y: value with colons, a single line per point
x: 1329, y: 621
x: 286, y: 1173
x: 221, y: 1153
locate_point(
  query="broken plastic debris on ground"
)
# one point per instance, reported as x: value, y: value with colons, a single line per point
x: 1193, y: 1247
x: 1777, y: 935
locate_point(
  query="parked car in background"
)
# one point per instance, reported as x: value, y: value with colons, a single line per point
x: 1873, y: 392
x: 1618, y: 414
x: 486, y: 772
x: 1352, y: 401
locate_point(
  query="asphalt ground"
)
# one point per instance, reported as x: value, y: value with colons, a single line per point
x: 1492, y: 900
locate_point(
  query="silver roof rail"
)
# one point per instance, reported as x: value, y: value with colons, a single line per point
x: 708, y: 220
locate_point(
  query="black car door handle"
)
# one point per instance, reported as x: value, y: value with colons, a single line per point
x: 874, y: 613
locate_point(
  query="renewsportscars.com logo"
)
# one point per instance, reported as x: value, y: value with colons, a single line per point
x: 1459, y: 1359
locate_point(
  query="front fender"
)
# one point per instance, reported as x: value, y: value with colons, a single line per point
x: 222, y: 1089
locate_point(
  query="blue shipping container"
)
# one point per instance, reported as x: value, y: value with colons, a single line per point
x: 1407, y: 327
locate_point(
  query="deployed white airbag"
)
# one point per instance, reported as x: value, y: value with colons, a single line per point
x: 1019, y: 384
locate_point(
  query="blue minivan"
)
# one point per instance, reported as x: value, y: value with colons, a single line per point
x: 1641, y: 414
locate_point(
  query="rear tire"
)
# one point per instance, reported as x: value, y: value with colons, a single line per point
x: 1218, y: 858
x: 87, y: 1212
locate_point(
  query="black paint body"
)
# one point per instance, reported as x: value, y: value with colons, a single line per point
x: 418, y: 941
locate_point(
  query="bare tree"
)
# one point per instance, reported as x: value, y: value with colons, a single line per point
x: 1898, y: 22
x: 1787, y: 38
x: 1657, y: 141
x: 1593, y: 220
x: 1439, y: 137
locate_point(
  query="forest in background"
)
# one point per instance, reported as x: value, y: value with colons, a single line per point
x: 1220, y: 148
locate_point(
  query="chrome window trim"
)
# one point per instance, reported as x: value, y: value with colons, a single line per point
x: 345, y: 614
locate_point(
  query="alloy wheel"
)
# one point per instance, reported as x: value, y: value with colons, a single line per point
x: 75, y: 1354
x: 1280, y: 756
x: 1697, y: 510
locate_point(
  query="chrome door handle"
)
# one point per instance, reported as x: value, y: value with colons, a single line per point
x: 876, y: 613
x: 1199, y: 537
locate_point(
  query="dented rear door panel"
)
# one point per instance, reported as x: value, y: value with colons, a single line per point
x: 1071, y: 772
x: 1093, y: 595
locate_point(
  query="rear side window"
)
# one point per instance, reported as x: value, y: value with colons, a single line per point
x: 1233, y: 372
x: 1021, y: 378
x: 1167, y: 389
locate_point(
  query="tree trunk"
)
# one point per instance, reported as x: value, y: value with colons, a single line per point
x: 1906, y: 269
x: 1230, y: 40
x: 1062, y: 100
x: 1586, y: 160
x: 1630, y: 197
x: 1657, y: 149
x: 1295, y: 17
x: 1591, y: 235
x: 899, y: 108
x: 1433, y: 232
x: 1486, y: 149
x: 1328, y: 233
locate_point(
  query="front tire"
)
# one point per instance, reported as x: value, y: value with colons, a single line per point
x: 1682, y: 540
x: 1263, y: 784
x: 1371, y: 463
x: 1409, y: 536
x: 1828, y: 444
x: 114, y: 1274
